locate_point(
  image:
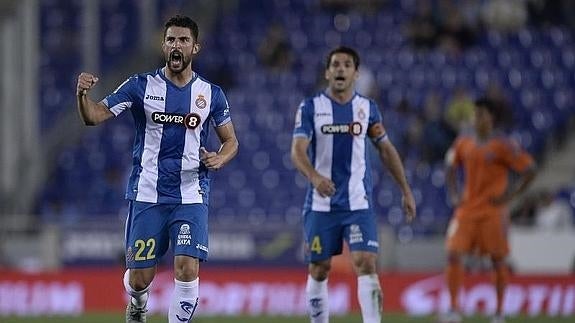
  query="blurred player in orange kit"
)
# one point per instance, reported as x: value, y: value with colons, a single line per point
x: 487, y: 157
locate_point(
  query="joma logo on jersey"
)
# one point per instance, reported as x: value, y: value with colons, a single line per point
x: 154, y: 97
x: 190, y: 120
x: 353, y: 128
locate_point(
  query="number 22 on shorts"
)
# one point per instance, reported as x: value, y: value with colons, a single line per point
x: 141, y: 245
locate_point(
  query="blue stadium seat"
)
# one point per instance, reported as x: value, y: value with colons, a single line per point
x: 60, y: 44
x: 534, y: 67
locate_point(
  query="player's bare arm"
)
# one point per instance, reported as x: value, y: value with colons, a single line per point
x: 451, y: 178
x: 390, y: 158
x: 228, y: 149
x: 323, y: 185
x: 518, y: 188
x: 92, y: 113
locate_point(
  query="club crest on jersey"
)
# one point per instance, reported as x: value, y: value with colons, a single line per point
x: 190, y: 120
x: 353, y: 128
x: 201, y: 102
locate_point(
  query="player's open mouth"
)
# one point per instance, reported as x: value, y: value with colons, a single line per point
x: 176, y: 57
x: 340, y: 78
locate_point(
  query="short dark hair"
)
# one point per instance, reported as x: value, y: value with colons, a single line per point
x: 501, y: 113
x: 344, y: 50
x: 182, y: 21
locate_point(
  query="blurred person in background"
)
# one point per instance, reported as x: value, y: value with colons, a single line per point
x: 366, y: 83
x: 455, y: 34
x: 275, y: 50
x: 169, y: 185
x: 479, y: 223
x: 423, y: 28
x: 507, y: 16
x: 410, y: 130
x: 553, y: 213
x: 459, y: 111
x: 523, y: 215
x: 330, y: 148
x: 362, y: 6
x: 436, y: 135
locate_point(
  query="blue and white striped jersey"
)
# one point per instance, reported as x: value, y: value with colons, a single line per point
x: 172, y: 123
x: 338, y: 149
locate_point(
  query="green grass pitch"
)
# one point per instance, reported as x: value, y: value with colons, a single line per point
x: 391, y: 318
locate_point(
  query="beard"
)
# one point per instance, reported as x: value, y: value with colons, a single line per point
x: 177, y: 62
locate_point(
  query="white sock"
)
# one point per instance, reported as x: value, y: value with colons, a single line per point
x: 184, y: 301
x: 139, y: 297
x: 317, y: 298
x: 370, y: 298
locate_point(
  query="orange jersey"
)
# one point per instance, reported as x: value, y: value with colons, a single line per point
x: 486, y: 167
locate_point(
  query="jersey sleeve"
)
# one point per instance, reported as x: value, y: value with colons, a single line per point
x: 514, y: 157
x: 374, y: 114
x: 123, y: 97
x: 304, y: 120
x: 219, y: 108
x: 375, y: 129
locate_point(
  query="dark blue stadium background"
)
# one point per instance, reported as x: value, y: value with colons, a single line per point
x: 533, y: 67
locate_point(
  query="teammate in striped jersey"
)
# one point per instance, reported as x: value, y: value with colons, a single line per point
x: 169, y: 186
x: 330, y: 148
